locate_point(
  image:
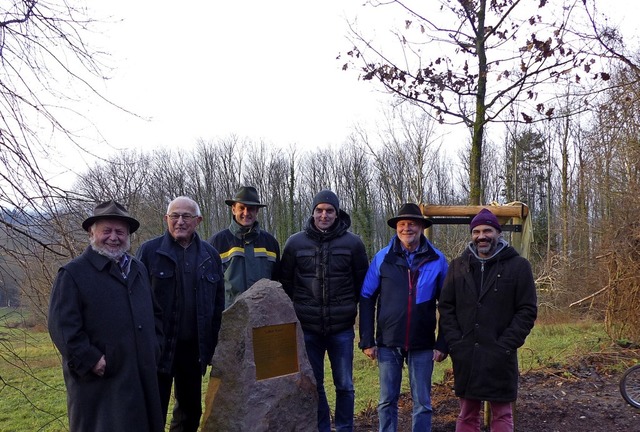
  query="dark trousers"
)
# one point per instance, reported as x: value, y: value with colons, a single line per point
x: 187, y: 382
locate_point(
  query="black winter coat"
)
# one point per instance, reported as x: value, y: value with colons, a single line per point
x: 322, y: 272
x: 162, y: 264
x: 94, y: 311
x: 484, y: 326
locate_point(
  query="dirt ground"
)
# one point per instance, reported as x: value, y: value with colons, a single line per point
x: 578, y: 400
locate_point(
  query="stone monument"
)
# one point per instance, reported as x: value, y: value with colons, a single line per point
x: 261, y: 379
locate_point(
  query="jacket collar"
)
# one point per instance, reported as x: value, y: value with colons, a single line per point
x: 424, y: 248
x: 168, y: 244
x: 101, y: 262
x: 502, y: 246
x: 243, y: 232
x: 340, y: 226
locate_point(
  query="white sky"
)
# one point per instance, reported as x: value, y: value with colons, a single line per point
x: 256, y: 68
x: 261, y: 69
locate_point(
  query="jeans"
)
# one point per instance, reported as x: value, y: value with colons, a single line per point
x: 187, y: 388
x: 339, y: 347
x: 420, y: 365
x: 469, y: 418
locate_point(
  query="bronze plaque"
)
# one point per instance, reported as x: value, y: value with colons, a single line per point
x: 275, y: 350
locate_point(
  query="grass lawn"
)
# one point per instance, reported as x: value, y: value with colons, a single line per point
x: 547, y: 345
x: 34, y: 398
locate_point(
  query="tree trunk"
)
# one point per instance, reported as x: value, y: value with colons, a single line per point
x: 475, y: 185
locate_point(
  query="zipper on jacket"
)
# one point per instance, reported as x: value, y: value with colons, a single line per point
x: 481, y: 277
x: 323, y: 283
x: 409, y: 307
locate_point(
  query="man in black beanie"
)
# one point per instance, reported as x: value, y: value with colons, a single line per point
x: 323, y: 267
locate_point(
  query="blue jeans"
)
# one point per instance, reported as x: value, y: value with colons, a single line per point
x: 339, y: 347
x: 390, y: 364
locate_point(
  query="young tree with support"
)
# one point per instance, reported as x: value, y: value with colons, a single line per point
x: 472, y: 62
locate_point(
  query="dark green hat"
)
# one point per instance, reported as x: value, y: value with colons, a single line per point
x: 111, y: 210
x: 247, y: 195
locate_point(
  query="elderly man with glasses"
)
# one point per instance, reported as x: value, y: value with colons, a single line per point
x: 186, y: 277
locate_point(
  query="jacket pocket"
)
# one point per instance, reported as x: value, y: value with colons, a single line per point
x: 499, y: 363
x: 212, y: 277
x: 208, y: 288
x: 162, y: 284
x: 306, y: 262
x: 162, y: 273
x: 113, y: 361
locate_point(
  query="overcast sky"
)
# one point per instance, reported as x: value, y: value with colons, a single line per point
x: 265, y: 70
x: 205, y: 69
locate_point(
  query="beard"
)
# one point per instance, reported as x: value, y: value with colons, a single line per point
x: 111, y: 253
x: 487, y: 248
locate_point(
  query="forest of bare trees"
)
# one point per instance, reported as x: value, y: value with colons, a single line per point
x: 578, y: 177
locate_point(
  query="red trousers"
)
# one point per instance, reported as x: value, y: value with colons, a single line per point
x: 469, y: 418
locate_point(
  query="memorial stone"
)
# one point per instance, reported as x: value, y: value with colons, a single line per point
x: 261, y: 379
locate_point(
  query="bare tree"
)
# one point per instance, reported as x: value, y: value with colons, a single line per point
x: 267, y: 170
x: 466, y: 61
x: 213, y: 176
x: 354, y: 185
x: 46, y: 67
x: 43, y: 57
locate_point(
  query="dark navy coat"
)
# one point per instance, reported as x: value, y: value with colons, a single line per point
x: 162, y: 264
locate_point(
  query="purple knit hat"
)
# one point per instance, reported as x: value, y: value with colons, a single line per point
x: 485, y: 217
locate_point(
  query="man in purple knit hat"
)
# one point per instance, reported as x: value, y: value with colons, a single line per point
x: 487, y: 308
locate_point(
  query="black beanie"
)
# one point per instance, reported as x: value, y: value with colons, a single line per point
x: 325, y: 196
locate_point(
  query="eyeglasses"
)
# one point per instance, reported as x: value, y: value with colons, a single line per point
x: 185, y: 217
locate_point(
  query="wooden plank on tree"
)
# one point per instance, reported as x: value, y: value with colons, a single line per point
x: 520, y: 210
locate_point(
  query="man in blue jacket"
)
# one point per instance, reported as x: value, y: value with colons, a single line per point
x: 403, y: 282
x: 186, y: 277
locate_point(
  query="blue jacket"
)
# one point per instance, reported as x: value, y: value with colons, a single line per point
x: 161, y: 263
x: 402, y: 300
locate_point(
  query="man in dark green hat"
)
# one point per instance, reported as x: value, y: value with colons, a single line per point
x: 248, y: 252
x: 103, y: 320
